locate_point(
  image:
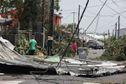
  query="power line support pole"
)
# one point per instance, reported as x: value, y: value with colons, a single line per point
x: 78, y: 20
x: 108, y: 33
x: 116, y: 30
x: 73, y: 22
x: 43, y: 30
x: 51, y: 28
x: 118, y: 27
x: 97, y: 23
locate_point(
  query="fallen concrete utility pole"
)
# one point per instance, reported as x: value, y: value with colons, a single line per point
x: 12, y: 62
x: 92, y: 69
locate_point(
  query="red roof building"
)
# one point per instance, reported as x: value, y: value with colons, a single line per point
x: 57, y: 20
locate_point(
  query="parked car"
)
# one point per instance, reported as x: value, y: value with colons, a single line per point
x: 95, y: 44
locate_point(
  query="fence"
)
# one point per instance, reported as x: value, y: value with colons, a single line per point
x: 14, y: 38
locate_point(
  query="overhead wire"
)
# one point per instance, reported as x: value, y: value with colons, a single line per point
x: 105, y: 15
x: 91, y: 16
x: 108, y: 23
x: 123, y: 12
x: 100, y: 5
x: 115, y: 3
x: 100, y: 14
x: 74, y: 33
x: 113, y: 9
x: 95, y: 17
x: 67, y: 16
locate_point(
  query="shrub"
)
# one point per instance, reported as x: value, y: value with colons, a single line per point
x: 115, y: 49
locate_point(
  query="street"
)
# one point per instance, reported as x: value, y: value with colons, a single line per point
x: 94, y: 53
x: 64, y: 79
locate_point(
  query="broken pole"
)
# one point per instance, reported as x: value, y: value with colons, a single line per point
x: 50, y: 31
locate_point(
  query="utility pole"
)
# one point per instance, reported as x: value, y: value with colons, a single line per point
x: 78, y: 20
x: 118, y: 27
x: 116, y: 30
x: 97, y: 23
x: 108, y: 33
x: 51, y: 28
x: 43, y: 30
x: 73, y: 21
x: 113, y: 33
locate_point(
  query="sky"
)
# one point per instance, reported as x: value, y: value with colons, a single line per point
x: 104, y: 22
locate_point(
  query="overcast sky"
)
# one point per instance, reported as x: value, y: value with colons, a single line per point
x: 107, y: 18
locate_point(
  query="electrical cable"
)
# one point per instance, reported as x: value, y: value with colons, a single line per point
x: 66, y: 17
x: 95, y: 16
x: 73, y: 33
x: 108, y: 23
x: 115, y: 3
x: 123, y: 12
x: 101, y: 4
x: 105, y: 15
x: 113, y: 9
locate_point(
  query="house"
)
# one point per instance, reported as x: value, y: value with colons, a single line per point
x: 121, y: 33
x: 57, y: 20
x: 88, y: 37
x: 4, y: 22
x: 10, y: 14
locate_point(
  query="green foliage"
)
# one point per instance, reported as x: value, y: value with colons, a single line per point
x: 23, y: 45
x: 115, y: 49
x: 5, y: 5
x: 56, y: 5
x: 69, y: 27
x: 30, y: 15
x: 28, y: 11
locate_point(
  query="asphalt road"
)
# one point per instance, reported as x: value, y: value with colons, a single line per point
x: 94, y: 53
x: 65, y: 79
